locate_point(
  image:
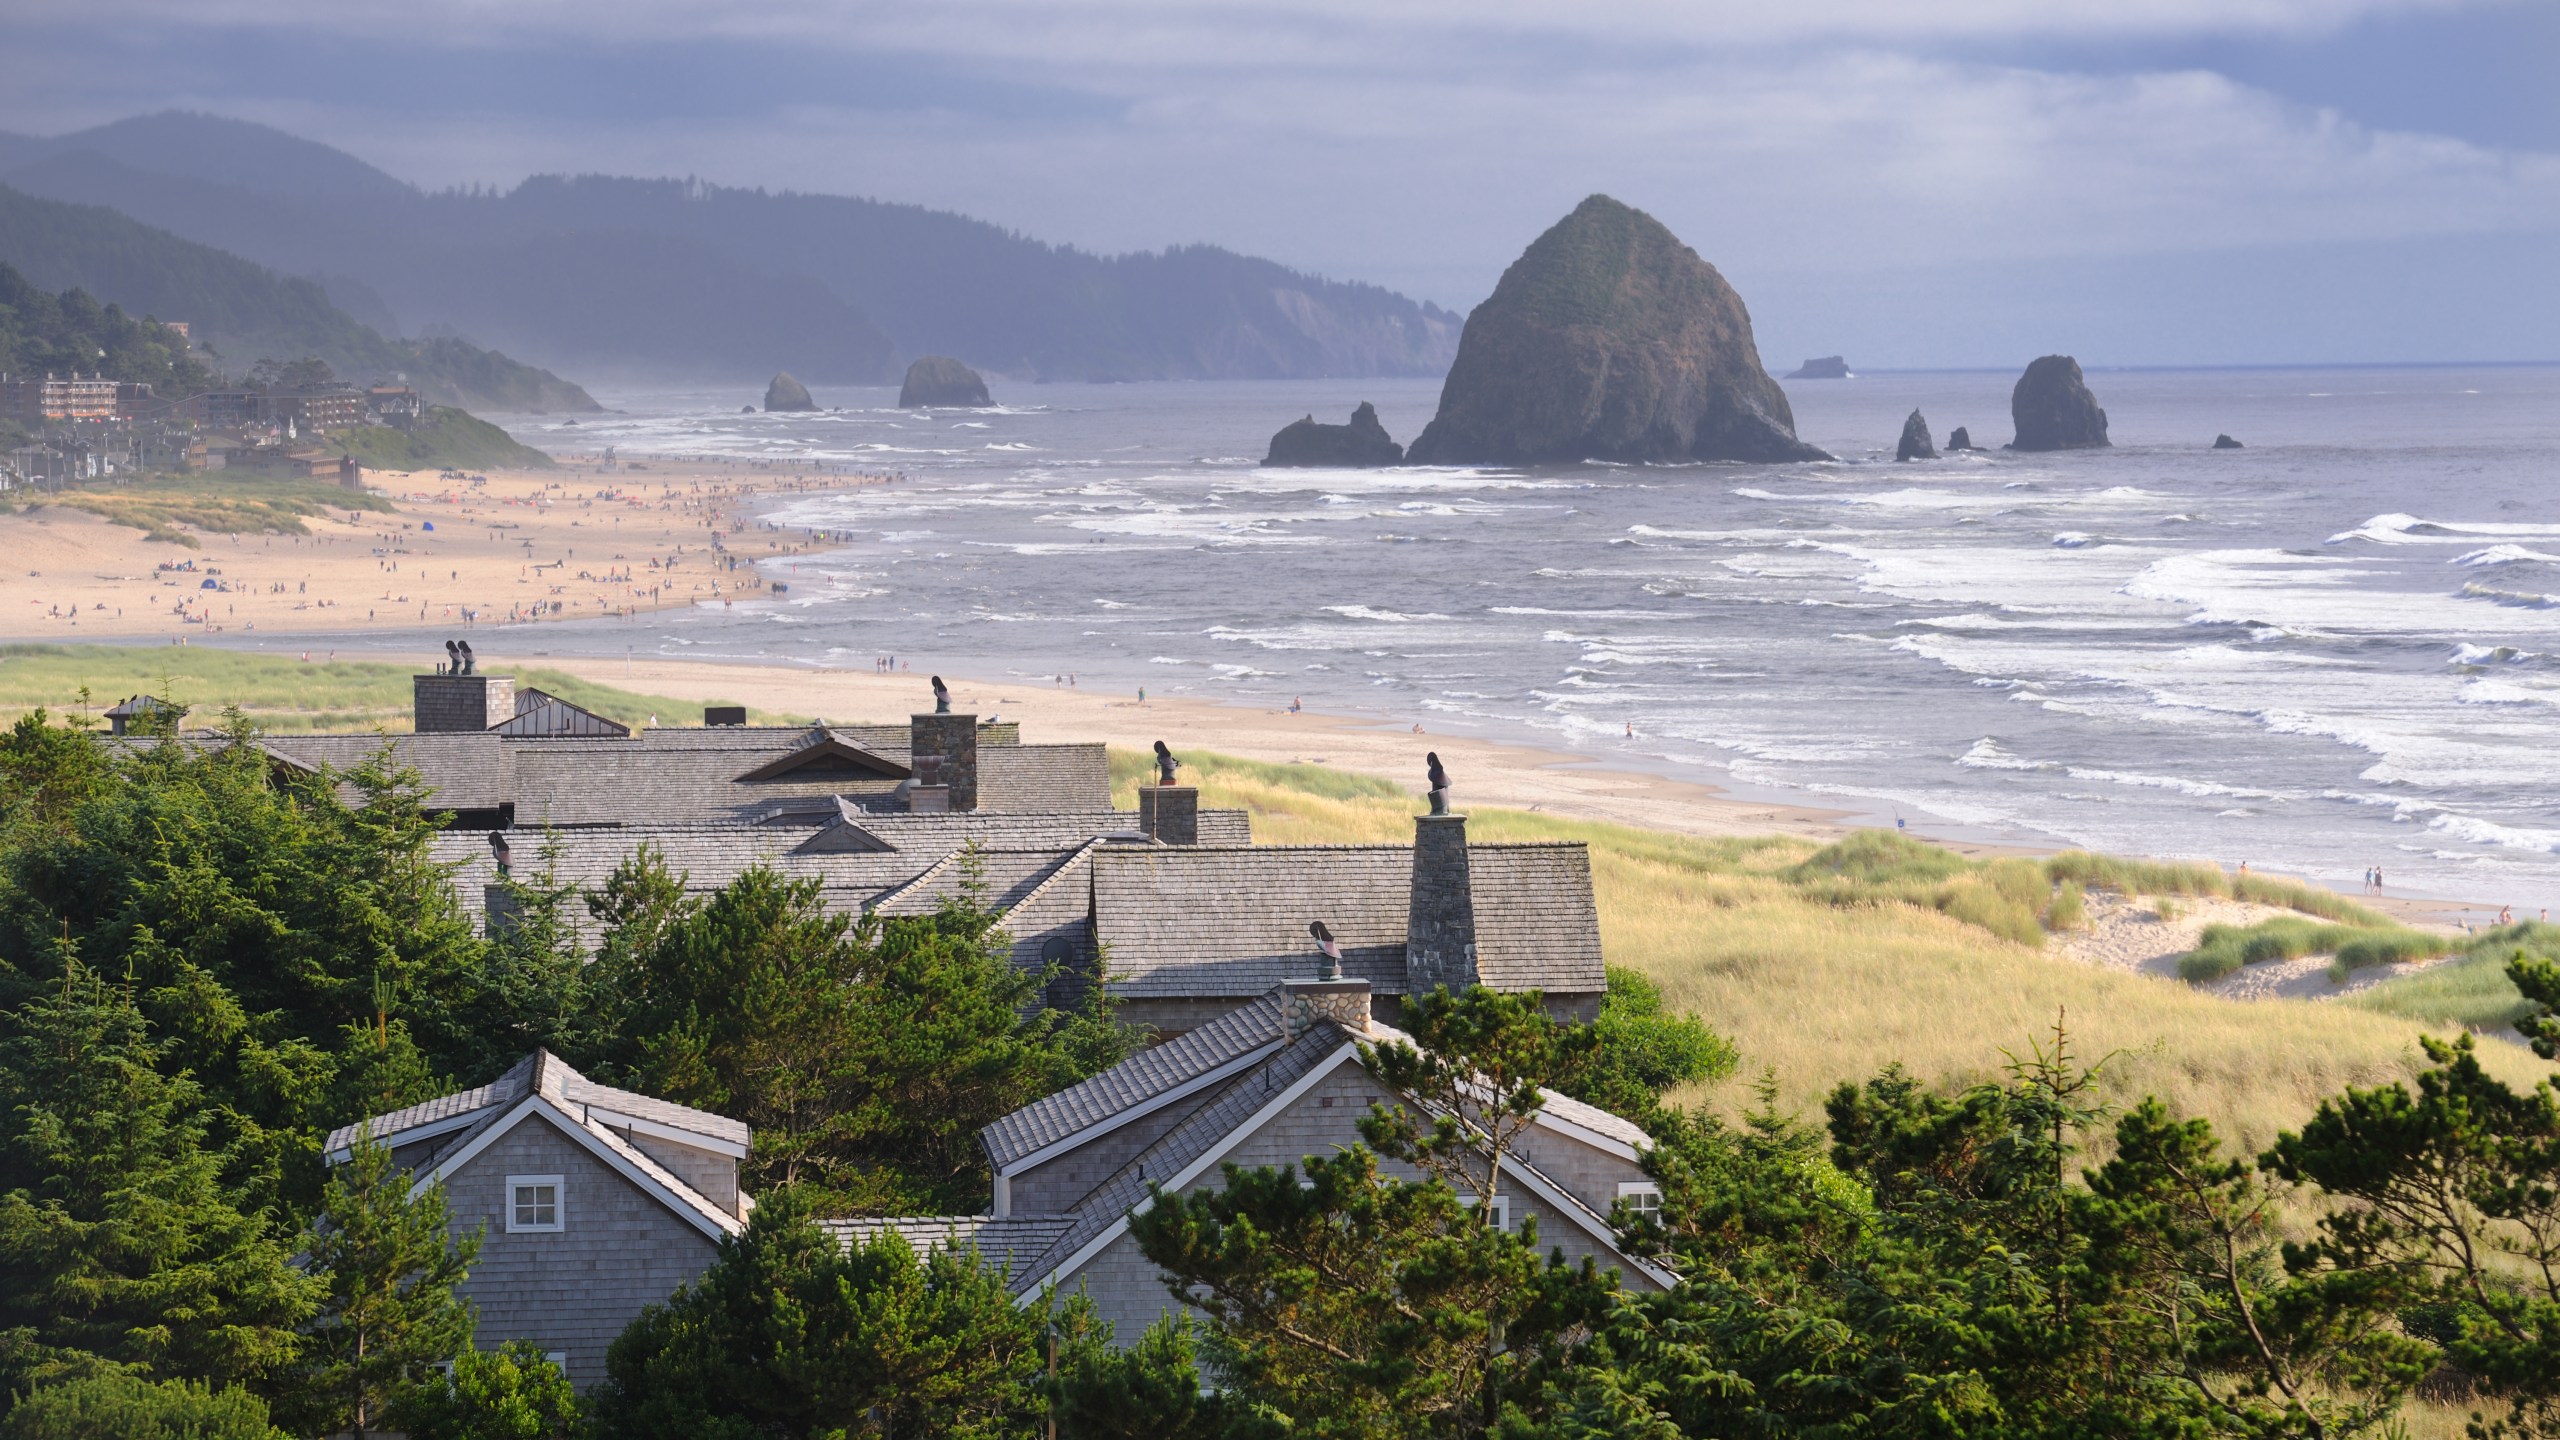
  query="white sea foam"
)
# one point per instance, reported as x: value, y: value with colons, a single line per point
x: 1364, y: 612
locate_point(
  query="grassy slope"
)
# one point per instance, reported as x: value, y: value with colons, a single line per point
x: 444, y: 438
x: 277, y: 692
x: 1817, y: 991
x: 218, y: 503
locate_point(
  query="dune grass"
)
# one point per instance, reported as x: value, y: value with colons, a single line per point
x: 2222, y: 949
x: 278, y: 693
x: 2472, y: 991
x: 218, y: 503
x: 1822, y: 964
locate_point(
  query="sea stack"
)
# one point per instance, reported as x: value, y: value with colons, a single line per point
x: 1915, y: 440
x: 1824, y: 367
x: 1960, y: 438
x: 2054, y: 410
x: 939, y: 380
x: 1608, y: 339
x: 1364, y: 442
x: 2225, y: 442
x: 786, y: 393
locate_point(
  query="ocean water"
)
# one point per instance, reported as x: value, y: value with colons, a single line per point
x: 2334, y: 649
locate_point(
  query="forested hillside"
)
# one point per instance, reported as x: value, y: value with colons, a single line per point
x: 72, y: 332
x: 247, y: 313
x: 681, y: 278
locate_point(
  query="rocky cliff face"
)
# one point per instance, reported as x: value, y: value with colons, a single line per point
x: 1363, y: 442
x: 786, y: 393
x: 2054, y: 409
x: 1608, y: 339
x: 1915, y: 440
x: 941, y: 380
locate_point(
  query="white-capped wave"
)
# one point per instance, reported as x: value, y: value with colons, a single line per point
x: 2502, y: 555
x: 2488, y: 832
x: 2522, y: 599
x: 1393, y: 617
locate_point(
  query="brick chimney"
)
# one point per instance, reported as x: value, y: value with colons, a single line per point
x: 442, y: 704
x: 1440, y: 922
x: 1170, y: 814
x: 943, y: 751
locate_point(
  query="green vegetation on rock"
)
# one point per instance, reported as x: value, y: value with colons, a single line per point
x: 218, y: 502
x: 71, y: 332
x: 443, y: 439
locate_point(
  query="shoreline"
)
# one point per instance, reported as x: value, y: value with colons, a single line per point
x: 1504, y: 773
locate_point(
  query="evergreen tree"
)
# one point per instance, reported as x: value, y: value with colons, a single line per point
x: 510, y: 1393
x: 118, y: 1405
x: 118, y: 1240
x: 790, y: 1334
x: 390, y: 1261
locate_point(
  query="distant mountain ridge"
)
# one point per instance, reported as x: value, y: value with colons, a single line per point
x: 247, y: 313
x: 682, y: 278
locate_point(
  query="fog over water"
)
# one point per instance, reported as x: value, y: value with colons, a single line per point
x: 2337, y: 648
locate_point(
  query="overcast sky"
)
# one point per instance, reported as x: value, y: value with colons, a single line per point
x: 1915, y: 181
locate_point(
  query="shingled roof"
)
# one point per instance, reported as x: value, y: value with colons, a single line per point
x: 1201, y: 921
x: 1229, y: 1071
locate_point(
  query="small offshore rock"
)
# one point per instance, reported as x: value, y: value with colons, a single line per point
x: 1960, y: 438
x: 942, y: 382
x: 2225, y: 442
x: 786, y: 393
x: 1824, y: 367
x: 1915, y: 440
x: 746, y: 409
x: 2053, y: 409
x: 1362, y: 443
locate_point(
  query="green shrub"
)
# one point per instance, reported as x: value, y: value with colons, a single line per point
x: 2223, y: 949
x: 2069, y: 911
x: 511, y: 1393
x: 127, y: 1407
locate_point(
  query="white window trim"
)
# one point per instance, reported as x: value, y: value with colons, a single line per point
x: 559, y: 1360
x: 1633, y: 1189
x: 1501, y: 1209
x: 559, y: 1205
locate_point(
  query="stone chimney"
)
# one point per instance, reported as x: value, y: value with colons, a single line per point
x: 943, y: 751
x: 443, y: 704
x: 1343, y: 1002
x: 1440, y: 922
x: 1170, y: 814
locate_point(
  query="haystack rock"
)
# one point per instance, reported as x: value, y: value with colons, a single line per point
x: 2054, y: 409
x: 786, y: 393
x: 1915, y: 440
x: 1363, y: 442
x: 2225, y: 442
x: 1960, y: 438
x: 1826, y: 367
x: 939, y: 380
x: 1608, y: 339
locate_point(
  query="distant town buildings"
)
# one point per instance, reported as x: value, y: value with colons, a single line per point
x: 29, y: 399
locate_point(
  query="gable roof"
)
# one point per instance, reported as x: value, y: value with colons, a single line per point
x: 1140, y: 1084
x: 544, y: 1087
x: 1266, y: 1074
x: 831, y: 754
x: 538, y: 712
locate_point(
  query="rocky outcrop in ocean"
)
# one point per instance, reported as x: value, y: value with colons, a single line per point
x: 1825, y: 367
x: 2054, y: 410
x: 1915, y: 440
x: 939, y: 380
x: 786, y: 393
x: 2225, y: 442
x: 1364, y: 442
x: 1608, y: 339
x: 1960, y: 438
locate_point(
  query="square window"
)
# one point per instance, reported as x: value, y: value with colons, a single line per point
x: 1642, y: 1197
x: 1501, y: 1209
x: 534, y: 1204
x: 559, y: 1360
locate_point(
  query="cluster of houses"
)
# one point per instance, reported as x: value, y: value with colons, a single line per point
x: 87, y: 427
x: 597, y: 1202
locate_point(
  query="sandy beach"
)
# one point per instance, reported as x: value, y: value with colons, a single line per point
x: 576, y: 543
x: 585, y: 543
